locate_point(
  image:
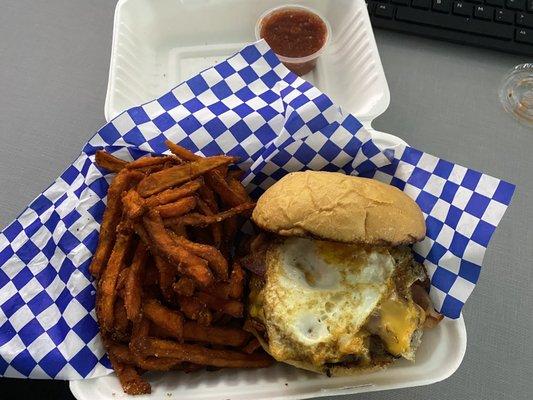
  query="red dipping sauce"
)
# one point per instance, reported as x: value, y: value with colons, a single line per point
x: 296, y: 34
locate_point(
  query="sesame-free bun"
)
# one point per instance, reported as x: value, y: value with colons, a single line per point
x: 337, y: 207
x: 331, y: 370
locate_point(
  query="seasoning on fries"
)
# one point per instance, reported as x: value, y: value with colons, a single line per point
x: 169, y: 296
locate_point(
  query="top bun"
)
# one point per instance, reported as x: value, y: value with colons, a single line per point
x: 342, y: 208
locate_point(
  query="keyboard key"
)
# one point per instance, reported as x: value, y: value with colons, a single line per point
x: 371, y: 7
x: 402, y: 2
x: 483, y: 12
x: 384, y: 11
x: 524, y: 19
x: 504, y: 16
x: 516, y: 4
x: 530, y: 5
x: 462, y: 8
x: 468, y: 25
x: 524, y: 36
x: 441, y: 5
x: 421, y: 4
x: 497, y: 3
x: 475, y: 1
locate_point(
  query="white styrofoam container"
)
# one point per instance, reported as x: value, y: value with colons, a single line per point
x: 158, y: 44
x: 439, y: 355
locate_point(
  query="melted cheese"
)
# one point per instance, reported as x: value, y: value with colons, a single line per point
x: 398, y: 321
x: 318, y: 295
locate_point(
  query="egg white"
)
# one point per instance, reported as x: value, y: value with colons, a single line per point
x: 319, y: 294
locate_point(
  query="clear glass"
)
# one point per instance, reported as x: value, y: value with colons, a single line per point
x: 516, y: 93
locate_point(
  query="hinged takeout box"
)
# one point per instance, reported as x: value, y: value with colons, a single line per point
x: 157, y: 45
x: 276, y: 122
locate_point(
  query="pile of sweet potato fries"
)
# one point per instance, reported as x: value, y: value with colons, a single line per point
x: 168, y: 296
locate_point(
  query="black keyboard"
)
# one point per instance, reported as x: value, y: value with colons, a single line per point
x: 505, y: 25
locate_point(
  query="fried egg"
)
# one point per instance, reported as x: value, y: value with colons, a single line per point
x: 318, y: 298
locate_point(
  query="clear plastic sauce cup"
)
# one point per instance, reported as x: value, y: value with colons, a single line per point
x: 302, y: 63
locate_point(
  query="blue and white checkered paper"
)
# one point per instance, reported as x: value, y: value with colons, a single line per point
x: 250, y: 106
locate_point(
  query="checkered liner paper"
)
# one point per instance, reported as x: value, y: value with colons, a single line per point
x: 249, y: 106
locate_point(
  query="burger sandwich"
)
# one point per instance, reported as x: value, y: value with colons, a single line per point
x: 335, y: 287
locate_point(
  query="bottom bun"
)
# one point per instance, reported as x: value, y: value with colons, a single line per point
x: 340, y: 370
x: 345, y: 369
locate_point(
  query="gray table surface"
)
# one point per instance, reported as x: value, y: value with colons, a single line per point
x: 54, y: 59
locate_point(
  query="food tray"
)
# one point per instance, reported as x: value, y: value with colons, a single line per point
x: 439, y: 356
x: 156, y: 45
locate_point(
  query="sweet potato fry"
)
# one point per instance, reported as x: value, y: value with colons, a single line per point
x: 120, y: 351
x: 230, y: 307
x: 125, y: 226
x: 215, y: 178
x: 205, y: 318
x: 181, y: 152
x: 230, y: 228
x: 159, y: 181
x: 170, y: 195
x: 190, y: 367
x: 223, y: 170
x: 184, y: 286
x: 228, y: 195
x: 208, y: 196
x: 143, y: 235
x: 251, y: 346
x: 151, y: 274
x: 107, y: 284
x: 216, y: 229
x: 186, y: 262
x: 133, y: 204
x: 122, y: 279
x: 170, y: 320
x: 179, y: 229
x: 236, y: 282
x: 214, y: 335
x: 195, y: 219
x: 132, y: 284
x: 194, y: 309
x: 130, y: 380
x: 201, y: 355
x: 107, y: 161
x: 167, y: 273
x: 111, y: 218
x: 154, y: 168
x: 149, y: 161
x: 215, y: 259
x: 194, y: 332
x: 252, y: 325
x: 187, y: 155
x: 232, y: 289
x: 238, y: 188
x: 123, y: 354
x: 139, y: 335
x: 236, y: 174
x: 122, y: 327
x: 158, y: 363
x: 177, y: 208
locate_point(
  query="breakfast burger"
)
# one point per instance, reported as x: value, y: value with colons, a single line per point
x: 335, y: 288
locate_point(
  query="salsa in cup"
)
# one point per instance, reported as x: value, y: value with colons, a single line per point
x: 297, y: 34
